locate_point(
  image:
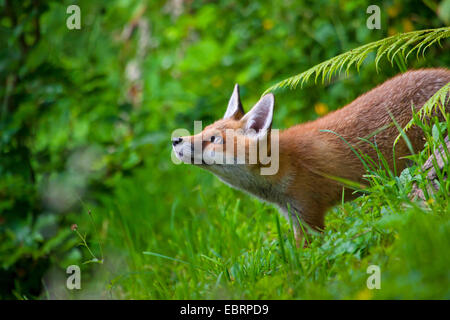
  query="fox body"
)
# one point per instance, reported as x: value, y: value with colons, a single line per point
x: 311, y: 154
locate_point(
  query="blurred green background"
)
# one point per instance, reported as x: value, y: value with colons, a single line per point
x: 85, y: 124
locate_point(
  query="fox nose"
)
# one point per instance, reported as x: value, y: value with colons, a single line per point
x: 176, y: 141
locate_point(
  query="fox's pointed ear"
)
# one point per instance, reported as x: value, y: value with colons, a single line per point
x: 234, y: 109
x: 259, y: 119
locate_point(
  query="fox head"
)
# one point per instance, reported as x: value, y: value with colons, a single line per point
x: 236, y: 141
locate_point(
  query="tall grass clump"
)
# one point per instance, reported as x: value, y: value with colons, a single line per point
x: 195, y: 238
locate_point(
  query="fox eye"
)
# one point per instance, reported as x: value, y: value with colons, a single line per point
x: 216, y: 139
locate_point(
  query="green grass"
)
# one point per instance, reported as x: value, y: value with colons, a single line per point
x: 176, y: 232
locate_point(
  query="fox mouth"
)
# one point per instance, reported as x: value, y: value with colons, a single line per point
x: 180, y: 154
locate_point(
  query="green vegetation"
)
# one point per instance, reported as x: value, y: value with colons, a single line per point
x: 86, y: 118
x: 394, y: 48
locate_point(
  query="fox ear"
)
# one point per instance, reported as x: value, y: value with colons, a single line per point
x: 260, y: 117
x: 234, y: 109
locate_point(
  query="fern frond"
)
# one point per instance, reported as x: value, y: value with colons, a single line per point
x: 389, y: 47
x: 437, y: 101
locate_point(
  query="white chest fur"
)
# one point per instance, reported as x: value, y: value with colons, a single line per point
x: 240, y: 177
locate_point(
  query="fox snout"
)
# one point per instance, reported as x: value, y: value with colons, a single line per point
x: 238, y: 138
x: 183, y: 149
x: 176, y: 141
x: 197, y: 149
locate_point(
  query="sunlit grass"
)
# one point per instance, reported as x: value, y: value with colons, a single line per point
x: 179, y: 233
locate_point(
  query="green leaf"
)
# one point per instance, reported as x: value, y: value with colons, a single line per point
x: 392, y: 48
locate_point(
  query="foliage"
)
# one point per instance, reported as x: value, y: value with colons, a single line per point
x: 389, y: 47
x: 85, y: 123
x: 436, y: 103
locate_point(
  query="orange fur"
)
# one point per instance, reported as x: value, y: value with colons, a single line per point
x: 308, y: 155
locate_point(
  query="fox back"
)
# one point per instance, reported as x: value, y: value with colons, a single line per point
x: 296, y: 168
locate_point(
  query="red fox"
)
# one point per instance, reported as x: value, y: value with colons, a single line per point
x: 308, y: 157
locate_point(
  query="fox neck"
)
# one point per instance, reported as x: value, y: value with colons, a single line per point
x: 271, y: 188
x: 241, y: 177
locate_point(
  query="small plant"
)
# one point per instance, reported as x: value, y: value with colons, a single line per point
x: 393, y: 48
x: 84, y: 243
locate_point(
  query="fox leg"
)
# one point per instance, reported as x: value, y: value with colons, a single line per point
x: 300, y: 238
x: 303, y: 224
